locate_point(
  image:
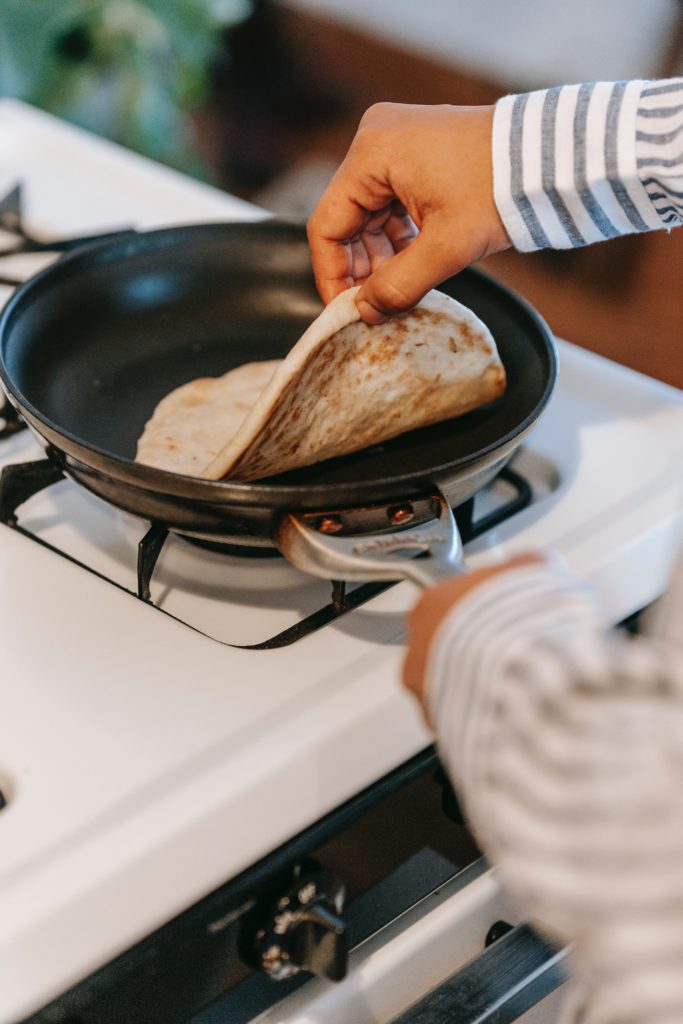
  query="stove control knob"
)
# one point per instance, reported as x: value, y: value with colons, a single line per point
x: 305, y: 930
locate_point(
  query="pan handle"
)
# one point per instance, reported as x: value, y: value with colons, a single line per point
x: 307, y: 540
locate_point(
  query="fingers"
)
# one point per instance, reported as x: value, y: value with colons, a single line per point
x: 378, y: 249
x: 337, y: 225
x: 332, y: 252
x: 400, y: 282
x: 400, y: 228
x: 339, y: 264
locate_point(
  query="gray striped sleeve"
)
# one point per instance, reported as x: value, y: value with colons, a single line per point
x: 583, y: 141
x: 548, y: 163
x: 519, y: 196
x: 566, y: 173
x: 659, y: 148
x: 612, y: 159
x: 565, y: 744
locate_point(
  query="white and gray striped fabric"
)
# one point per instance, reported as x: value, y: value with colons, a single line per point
x: 579, y: 164
x: 565, y: 739
x: 565, y: 743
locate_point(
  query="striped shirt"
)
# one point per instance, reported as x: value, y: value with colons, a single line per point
x: 582, y: 163
x: 565, y: 739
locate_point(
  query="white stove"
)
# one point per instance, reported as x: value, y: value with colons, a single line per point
x: 151, y: 752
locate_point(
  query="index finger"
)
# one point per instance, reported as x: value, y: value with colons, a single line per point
x: 342, y: 213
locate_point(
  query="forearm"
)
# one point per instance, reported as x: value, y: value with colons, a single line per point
x: 578, y: 164
x: 564, y: 745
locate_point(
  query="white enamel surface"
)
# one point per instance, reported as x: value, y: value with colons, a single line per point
x: 146, y: 763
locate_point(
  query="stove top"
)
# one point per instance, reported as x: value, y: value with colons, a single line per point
x: 145, y: 762
x: 244, y: 597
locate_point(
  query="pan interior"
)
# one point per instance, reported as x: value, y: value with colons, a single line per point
x: 95, y: 343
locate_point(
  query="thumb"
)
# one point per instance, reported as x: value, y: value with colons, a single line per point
x: 400, y: 282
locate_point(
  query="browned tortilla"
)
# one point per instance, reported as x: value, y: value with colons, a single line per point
x: 343, y: 386
x: 189, y: 426
x: 346, y: 385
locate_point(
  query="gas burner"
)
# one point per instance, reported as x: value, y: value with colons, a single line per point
x: 217, y: 589
x: 233, y: 550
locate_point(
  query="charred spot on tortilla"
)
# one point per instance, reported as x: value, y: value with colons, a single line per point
x: 344, y: 386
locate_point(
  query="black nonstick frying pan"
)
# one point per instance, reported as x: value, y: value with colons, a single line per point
x: 89, y: 346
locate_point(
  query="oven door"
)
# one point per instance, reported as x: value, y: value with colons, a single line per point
x: 432, y: 964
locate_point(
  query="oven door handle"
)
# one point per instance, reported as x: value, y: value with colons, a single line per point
x: 497, y: 987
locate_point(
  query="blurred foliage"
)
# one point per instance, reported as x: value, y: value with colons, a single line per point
x: 130, y: 70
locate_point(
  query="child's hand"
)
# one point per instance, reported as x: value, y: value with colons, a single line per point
x: 432, y: 609
x: 409, y: 166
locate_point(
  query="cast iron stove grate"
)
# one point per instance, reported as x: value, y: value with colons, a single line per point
x: 21, y: 481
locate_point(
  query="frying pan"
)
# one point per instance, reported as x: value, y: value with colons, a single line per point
x: 90, y: 345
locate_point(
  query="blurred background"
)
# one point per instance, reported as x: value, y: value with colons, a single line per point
x: 262, y: 97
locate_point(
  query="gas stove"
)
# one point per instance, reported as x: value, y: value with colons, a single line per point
x: 163, y: 738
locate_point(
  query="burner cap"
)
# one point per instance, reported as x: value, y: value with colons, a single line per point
x: 234, y: 550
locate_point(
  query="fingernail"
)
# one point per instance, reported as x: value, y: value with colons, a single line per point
x: 369, y: 314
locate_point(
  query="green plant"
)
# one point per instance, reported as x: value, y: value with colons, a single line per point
x: 127, y: 69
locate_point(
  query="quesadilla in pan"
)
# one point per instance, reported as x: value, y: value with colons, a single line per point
x: 190, y: 425
x: 343, y: 386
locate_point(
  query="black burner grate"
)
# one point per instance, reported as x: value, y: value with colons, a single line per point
x: 469, y: 530
x: 21, y: 481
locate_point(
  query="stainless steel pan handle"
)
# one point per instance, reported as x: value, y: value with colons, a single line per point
x: 327, y: 546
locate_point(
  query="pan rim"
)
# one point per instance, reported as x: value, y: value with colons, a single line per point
x: 155, y: 480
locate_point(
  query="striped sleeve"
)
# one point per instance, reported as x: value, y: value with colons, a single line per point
x: 565, y: 743
x: 659, y: 147
x: 578, y: 164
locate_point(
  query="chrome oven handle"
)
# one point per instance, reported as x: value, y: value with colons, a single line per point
x: 500, y: 985
x: 308, y: 541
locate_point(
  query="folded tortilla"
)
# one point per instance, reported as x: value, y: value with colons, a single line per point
x: 345, y: 385
x: 190, y: 425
